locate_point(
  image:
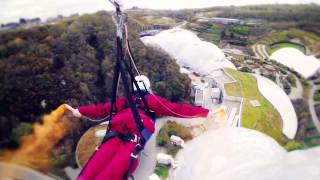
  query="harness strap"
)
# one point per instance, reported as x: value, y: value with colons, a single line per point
x: 109, y: 136
x: 124, y: 137
x: 134, y: 157
x: 128, y: 94
x: 148, y: 112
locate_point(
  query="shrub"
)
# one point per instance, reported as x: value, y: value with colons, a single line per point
x: 21, y: 130
x: 172, y: 128
x: 293, y: 145
x: 292, y: 80
x: 172, y: 149
x: 317, y: 95
x: 245, y: 69
x: 241, y: 30
x: 3, y: 51
x: 61, y: 160
x: 58, y: 62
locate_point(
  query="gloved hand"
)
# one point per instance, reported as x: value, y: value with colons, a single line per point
x: 211, y: 115
x: 75, y: 112
x: 217, y: 112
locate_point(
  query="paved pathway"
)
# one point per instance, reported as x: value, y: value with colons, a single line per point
x: 311, y: 102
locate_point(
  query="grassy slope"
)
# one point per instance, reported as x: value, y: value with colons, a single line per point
x: 265, y: 118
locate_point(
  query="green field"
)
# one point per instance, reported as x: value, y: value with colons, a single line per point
x: 265, y: 118
x: 278, y: 46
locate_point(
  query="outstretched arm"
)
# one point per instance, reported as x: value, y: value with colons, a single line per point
x: 100, y: 110
x: 166, y: 108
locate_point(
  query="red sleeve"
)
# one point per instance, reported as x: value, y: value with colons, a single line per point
x: 166, y: 108
x: 100, y: 110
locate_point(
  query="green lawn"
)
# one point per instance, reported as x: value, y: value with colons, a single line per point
x: 162, y: 171
x: 278, y: 46
x: 241, y: 30
x: 265, y: 118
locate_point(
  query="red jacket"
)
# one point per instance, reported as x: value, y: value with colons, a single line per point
x: 113, y: 159
x: 124, y: 119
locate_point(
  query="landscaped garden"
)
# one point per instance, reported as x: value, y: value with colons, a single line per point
x: 241, y: 30
x: 265, y: 118
x: 308, y: 39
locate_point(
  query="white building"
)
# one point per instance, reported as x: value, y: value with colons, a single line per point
x: 165, y: 159
x: 176, y: 140
x: 198, y: 97
x: 154, y: 177
x: 219, y: 20
x: 216, y: 92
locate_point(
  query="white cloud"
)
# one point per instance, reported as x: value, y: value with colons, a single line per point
x: 12, y: 10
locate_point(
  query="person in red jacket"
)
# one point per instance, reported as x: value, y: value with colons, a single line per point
x: 112, y: 160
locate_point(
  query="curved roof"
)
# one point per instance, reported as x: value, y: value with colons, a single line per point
x: 307, y: 66
x: 242, y: 154
x: 189, y: 50
x: 280, y: 100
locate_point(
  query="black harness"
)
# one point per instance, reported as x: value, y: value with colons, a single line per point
x: 124, y: 68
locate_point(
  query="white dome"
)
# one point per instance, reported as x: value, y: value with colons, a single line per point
x: 189, y: 50
x: 307, y: 66
x: 243, y: 154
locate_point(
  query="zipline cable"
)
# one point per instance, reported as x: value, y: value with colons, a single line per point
x: 129, y: 52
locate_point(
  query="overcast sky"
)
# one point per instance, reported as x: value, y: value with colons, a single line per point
x: 12, y: 10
